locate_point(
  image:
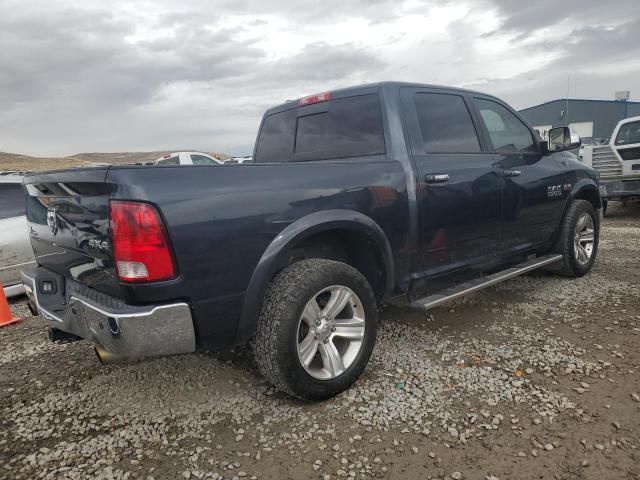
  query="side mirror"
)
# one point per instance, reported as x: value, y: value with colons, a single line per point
x: 562, y: 138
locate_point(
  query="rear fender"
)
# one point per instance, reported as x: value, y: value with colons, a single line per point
x: 275, y: 255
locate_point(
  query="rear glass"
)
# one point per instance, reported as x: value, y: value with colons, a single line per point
x: 350, y: 127
x: 12, y: 201
x: 169, y: 161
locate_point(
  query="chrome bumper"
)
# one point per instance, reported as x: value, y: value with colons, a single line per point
x: 132, y: 332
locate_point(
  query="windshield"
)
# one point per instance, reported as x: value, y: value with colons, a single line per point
x: 629, y: 133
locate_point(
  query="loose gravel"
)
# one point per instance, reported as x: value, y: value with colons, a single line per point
x: 535, y: 378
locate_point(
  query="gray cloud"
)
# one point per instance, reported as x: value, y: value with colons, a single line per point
x: 524, y: 17
x: 169, y: 74
x: 592, y: 62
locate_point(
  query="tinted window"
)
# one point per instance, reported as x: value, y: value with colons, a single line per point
x: 12, y: 201
x: 349, y: 127
x: 445, y: 124
x: 275, y: 143
x: 312, y: 133
x: 508, y: 134
x: 628, y: 133
x: 202, y: 160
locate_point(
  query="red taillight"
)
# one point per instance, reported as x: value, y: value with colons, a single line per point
x: 318, y: 98
x: 140, y: 243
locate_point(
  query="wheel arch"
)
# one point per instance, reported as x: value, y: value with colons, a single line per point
x: 584, y: 189
x: 349, y: 224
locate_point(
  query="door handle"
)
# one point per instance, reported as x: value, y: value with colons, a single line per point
x: 511, y: 173
x: 436, y: 177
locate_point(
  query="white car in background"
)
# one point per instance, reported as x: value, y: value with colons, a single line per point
x: 188, y: 158
x: 240, y: 160
x: 15, y: 246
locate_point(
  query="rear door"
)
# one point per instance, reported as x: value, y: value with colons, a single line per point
x: 460, y: 193
x: 535, y: 185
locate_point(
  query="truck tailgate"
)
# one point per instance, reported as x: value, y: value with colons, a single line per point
x: 68, y: 217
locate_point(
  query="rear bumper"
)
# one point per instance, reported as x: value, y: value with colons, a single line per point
x: 124, y: 330
x: 617, y: 189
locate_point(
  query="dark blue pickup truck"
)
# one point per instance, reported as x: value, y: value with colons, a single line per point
x: 376, y: 193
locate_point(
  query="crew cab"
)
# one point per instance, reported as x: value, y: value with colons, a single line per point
x: 389, y: 192
x: 618, y: 163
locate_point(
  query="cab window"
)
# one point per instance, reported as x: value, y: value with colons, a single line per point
x: 445, y: 124
x: 507, y: 132
x: 629, y: 133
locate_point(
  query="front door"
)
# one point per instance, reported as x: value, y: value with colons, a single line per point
x: 535, y: 184
x: 459, y: 191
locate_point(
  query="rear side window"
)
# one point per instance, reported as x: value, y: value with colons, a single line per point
x: 629, y: 133
x: 202, y: 160
x: 12, y: 201
x: 348, y: 127
x: 170, y: 161
x: 507, y: 132
x: 445, y: 124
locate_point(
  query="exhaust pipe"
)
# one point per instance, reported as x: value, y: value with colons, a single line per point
x: 106, y: 357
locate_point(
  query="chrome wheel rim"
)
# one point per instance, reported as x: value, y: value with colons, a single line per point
x: 330, y: 332
x: 584, y: 239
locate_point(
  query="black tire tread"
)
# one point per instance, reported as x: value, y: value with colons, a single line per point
x: 281, y: 294
x: 570, y: 268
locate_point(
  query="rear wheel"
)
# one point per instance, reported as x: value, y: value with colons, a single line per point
x: 317, y: 328
x: 579, y: 236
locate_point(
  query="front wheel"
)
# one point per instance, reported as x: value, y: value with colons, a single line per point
x: 316, y: 330
x: 579, y: 236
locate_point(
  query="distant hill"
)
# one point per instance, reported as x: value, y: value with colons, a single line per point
x: 14, y: 161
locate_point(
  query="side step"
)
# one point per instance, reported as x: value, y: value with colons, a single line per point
x: 465, y: 288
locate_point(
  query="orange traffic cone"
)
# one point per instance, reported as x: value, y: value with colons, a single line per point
x: 6, y: 317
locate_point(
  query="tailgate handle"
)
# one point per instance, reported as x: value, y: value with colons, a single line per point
x: 436, y: 177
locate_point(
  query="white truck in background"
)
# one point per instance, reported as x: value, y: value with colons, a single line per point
x: 618, y: 163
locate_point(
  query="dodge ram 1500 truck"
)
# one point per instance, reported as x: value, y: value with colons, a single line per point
x: 376, y: 193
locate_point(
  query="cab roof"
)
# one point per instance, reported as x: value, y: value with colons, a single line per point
x: 363, y: 90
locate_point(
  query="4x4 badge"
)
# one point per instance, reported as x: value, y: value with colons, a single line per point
x: 52, y: 219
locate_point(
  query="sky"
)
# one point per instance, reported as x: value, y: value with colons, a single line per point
x: 115, y: 75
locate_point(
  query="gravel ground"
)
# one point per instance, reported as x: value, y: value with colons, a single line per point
x: 536, y: 378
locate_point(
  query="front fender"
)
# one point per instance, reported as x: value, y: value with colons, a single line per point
x: 582, y: 185
x: 302, y: 228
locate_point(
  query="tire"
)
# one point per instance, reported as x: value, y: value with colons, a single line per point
x: 578, y: 260
x: 288, y: 329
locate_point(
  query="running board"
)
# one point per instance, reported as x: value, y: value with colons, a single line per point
x: 471, y: 286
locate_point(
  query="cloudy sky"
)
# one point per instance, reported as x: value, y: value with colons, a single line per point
x: 168, y: 74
